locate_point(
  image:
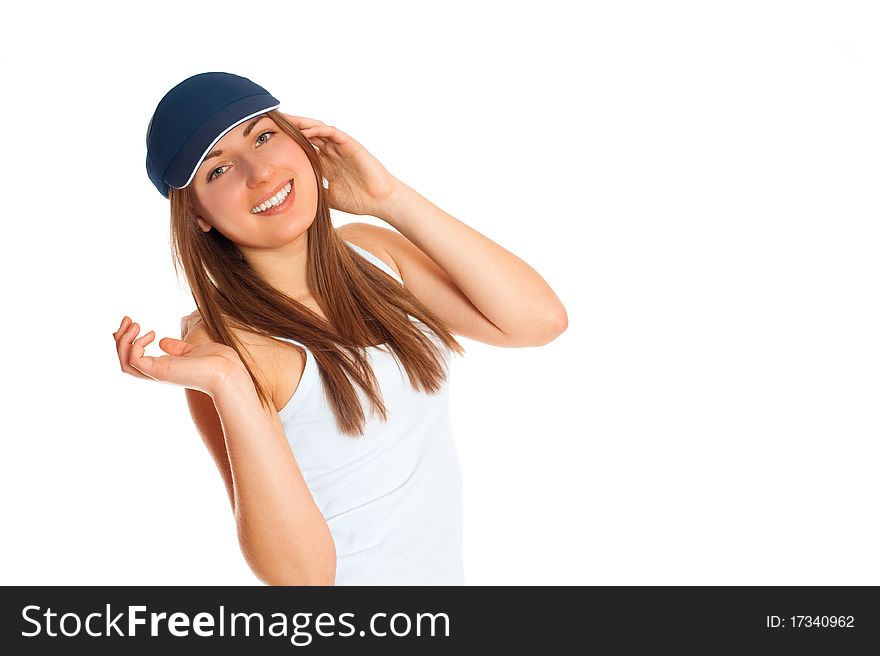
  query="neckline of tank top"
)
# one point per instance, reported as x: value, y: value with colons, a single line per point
x: 310, y: 363
x: 309, y: 375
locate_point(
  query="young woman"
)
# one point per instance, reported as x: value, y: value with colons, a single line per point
x: 301, y: 328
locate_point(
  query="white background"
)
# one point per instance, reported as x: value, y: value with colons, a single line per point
x: 698, y: 182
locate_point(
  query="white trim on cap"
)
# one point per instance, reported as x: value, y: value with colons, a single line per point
x: 220, y: 136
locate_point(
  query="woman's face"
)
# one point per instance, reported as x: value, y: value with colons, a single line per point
x: 257, y: 160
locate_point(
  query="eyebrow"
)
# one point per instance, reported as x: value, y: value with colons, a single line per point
x: 247, y: 131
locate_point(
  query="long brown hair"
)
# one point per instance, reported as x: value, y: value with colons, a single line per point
x: 364, y: 306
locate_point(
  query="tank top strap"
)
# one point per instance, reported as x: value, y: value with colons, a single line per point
x: 293, y: 341
x: 309, y: 379
x: 367, y: 255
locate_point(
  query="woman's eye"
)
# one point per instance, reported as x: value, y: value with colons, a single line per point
x: 264, y: 134
x: 212, y: 175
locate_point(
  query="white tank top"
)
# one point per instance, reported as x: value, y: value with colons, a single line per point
x: 392, y: 497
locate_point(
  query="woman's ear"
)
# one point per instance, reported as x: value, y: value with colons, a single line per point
x: 196, y: 210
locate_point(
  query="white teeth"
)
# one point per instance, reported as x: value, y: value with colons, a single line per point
x: 275, y: 200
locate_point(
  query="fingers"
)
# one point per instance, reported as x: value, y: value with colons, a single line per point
x: 142, y: 341
x: 125, y: 341
x: 302, y: 121
x: 325, y: 131
x: 317, y: 142
x: 136, y: 357
x: 126, y: 322
x: 174, y: 346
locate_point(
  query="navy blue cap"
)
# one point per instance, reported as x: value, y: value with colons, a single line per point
x: 192, y: 117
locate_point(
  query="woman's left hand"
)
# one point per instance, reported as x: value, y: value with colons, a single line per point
x: 357, y: 181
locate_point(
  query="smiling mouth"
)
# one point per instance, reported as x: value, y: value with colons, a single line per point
x: 288, y: 200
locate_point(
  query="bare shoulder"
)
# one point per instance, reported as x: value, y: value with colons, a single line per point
x: 193, y: 328
x: 277, y: 365
x: 371, y: 238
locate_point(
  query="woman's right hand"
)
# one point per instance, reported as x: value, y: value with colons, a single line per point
x: 203, y: 367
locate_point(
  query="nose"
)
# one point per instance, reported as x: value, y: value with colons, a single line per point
x: 259, y: 172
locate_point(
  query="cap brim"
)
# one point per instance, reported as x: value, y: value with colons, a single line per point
x: 196, y: 147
